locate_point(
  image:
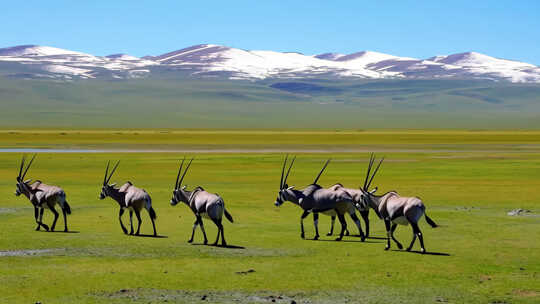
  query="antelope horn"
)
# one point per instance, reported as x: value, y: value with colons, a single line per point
x: 185, y: 171
x: 289, y: 171
x: 106, y: 172
x: 179, y: 171
x: 112, y: 172
x: 370, y: 164
x: 322, y: 170
x: 283, y: 172
x: 28, y: 167
x: 21, y: 168
x: 375, y: 172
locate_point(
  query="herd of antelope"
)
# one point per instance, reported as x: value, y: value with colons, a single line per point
x: 335, y: 201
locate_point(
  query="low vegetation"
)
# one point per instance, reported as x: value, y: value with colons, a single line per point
x: 468, y: 181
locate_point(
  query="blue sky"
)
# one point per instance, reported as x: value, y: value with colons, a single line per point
x: 506, y: 29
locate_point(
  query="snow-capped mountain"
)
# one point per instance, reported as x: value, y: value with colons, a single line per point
x: 208, y: 60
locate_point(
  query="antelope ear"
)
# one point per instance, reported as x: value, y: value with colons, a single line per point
x: 290, y: 188
x: 373, y: 190
x: 112, y: 185
x: 27, y: 181
x: 184, y: 187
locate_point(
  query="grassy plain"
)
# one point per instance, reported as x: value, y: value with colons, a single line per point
x: 468, y: 180
x: 314, y: 104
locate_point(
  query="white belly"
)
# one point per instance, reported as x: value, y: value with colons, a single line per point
x: 401, y: 221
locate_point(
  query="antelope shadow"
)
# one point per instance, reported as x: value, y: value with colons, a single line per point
x: 150, y: 236
x: 220, y: 246
x: 425, y: 253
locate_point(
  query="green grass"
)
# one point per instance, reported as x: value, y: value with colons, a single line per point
x: 493, y: 257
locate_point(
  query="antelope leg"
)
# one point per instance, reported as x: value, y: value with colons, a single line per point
x: 36, y: 215
x: 131, y: 222
x: 420, y: 237
x: 365, y: 217
x: 202, y: 228
x: 153, y: 226
x: 394, y: 226
x: 413, y: 240
x: 138, y: 215
x: 120, y: 220
x: 332, y: 226
x: 223, y: 242
x: 304, y: 215
x: 387, y: 224
x: 341, y: 218
x: 193, y: 231
x: 219, y: 226
x: 65, y: 220
x: 316, y: 224
x: 53, y: 210
x: 357, y: 222
x: 41, y: 219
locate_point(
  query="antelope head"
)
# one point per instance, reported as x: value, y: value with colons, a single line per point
x: 106, y: 188
x: 367, y: 195
x: 22, y: 185
x: 283, y: 187
x: 178, y: 194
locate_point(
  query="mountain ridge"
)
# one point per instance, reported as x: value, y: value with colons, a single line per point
x: 217, y: 61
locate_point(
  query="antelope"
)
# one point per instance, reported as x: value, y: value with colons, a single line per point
x: 395, y: 209
x: 356, y: 194
x: 203, y: 204
x: 316, y: 199
x: 128, y: 197
x: 41, y: 196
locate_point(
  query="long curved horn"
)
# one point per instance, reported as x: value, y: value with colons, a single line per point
x: 288, y: 171
x: 375, y: 172
x: 179, y: 171
x: 185, y: 171
x: 322, y: 170
x: 112, y: 172
x: 106, y: 172
x: 283, y: 172
x: 28, y: 167
x: 370, y: 164
x: 21, y: 168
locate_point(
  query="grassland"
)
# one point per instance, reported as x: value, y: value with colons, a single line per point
x: 469, y: 181
x: 177, y: 102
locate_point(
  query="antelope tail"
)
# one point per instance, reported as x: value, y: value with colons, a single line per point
x: 228, y: 215
x: 152, y: 213
x: 66, y: 207
x: 430, y: 221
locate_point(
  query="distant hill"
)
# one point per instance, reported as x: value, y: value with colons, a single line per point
x: 216, y: 61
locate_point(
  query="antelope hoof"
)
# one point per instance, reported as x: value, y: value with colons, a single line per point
x: 65, y: 230
x: 387, y: 247
x: 362, y: 238
x: 190, y: 241
x: 338, y: 239
x: 206, y: 242
x: 399, y: 246
x: 423, y: 250
x: 45, y: 226
x: 302, y: 236
x: 37, y: 228
x: 214, y: 244
x: 329, y: 234
x: 347, y: 232
x: 408, y: 248
x: 316, y: 238
x: 125, y: 230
